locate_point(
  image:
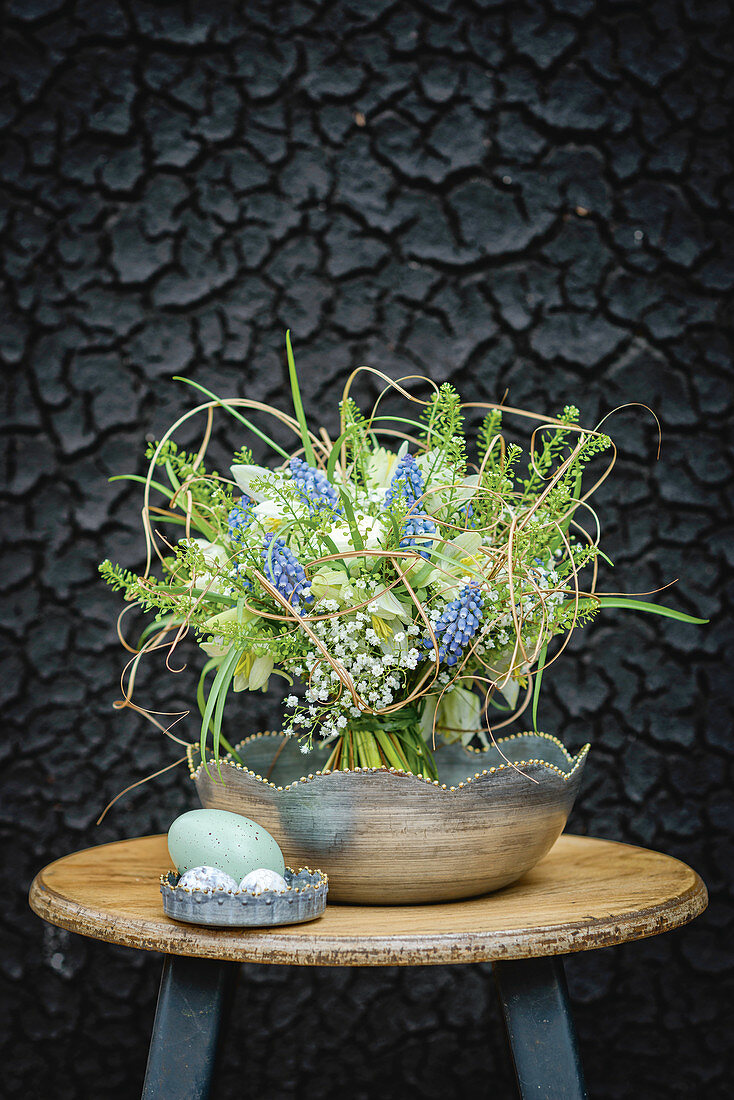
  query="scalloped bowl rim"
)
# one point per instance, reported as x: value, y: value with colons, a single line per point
x: 226, y: 761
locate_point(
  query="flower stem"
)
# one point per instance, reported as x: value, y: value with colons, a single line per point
x: 394, y: 756
x: 228, y: 748
x: 403, y: 749
x: 332, y: 763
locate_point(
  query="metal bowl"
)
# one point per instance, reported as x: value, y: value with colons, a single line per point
x: 305, y: 899
x: 385, y: 837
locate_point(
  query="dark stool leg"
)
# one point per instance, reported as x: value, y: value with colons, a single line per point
x: 193, y: 1000
x: 540, y: 1028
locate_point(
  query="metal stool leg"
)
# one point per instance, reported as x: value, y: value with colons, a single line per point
x: 193, y: 1000
x: 540, y: 1028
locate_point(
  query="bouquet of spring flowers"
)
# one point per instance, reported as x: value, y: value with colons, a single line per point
x: 405, y: 593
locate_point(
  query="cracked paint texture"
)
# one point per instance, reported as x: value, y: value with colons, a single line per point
x: 532, y: 197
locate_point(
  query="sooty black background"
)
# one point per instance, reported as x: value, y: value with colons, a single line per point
x: 533, y: 197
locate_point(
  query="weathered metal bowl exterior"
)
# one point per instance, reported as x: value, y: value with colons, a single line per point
x: 385, y: 837
x: 304, y: 900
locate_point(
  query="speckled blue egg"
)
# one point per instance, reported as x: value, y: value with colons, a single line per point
x: 208, y: 879
x: 260, y: 880
x: 217, y: 838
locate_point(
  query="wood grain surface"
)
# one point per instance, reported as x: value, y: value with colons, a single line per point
x: 586, y: 893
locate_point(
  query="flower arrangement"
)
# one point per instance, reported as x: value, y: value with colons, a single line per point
x: 406, y: 594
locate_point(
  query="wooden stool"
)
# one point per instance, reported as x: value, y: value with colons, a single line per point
x: 586, y: 893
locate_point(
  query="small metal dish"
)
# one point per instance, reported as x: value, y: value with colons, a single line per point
x: 305, y: 899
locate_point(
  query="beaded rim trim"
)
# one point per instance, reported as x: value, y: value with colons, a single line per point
x: 576, y: 762
x: 247, y: 895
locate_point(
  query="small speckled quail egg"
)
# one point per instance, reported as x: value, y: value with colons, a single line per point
x: 262, y: 878
x: 207, y: 879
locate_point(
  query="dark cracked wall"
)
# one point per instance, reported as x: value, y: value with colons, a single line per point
x: 525, y: 197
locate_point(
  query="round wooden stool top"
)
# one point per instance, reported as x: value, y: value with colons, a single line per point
x: 586, y: 893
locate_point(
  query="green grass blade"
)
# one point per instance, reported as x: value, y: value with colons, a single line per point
x: 334, y: 454
x: 209, y: 597
x: 233, y: 412
x: 420, y: 578
x: 219, y: 708
x: 172, y: 476
x: 331, y: 546
x: 165, y: 489
x: 229, y: 748
x: 229, y: 662
x: 651, y: 608
x: 298, y: 404
x: 157, y: 625
x: 397, y: 420
x: 436, y: 556
x: 200, y: 524
x: 178, y: 521
x: 200, y: 697
x: 500, y: 706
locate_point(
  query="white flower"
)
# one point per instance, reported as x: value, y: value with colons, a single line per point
x: 215, y: 557
x: 218, y: 647
x: 245, y: 475
x: 388, y: 606
x: 371, y: 530
x: 252, y: 672
x: 378, y: 470
x: 329, y: 582
x: 269, y: 514
x: 442, y: 483
x: 458, y: 717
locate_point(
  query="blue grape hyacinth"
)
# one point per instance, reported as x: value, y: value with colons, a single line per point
x: 457, y: 625
x: 407, y: 482
x: 314, y: 487
x: 417, y: 526
x: 284, y: 570
x: 406, y: 487
x: 239, y: 519
x: 466, y: 512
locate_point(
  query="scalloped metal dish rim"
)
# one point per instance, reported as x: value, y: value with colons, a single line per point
x: 575, y: 761
x: 246, y: 896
